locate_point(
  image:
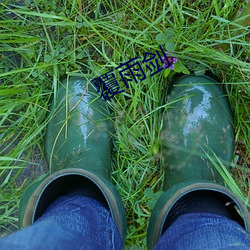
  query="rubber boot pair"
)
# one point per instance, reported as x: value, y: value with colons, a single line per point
x: 196, y: 126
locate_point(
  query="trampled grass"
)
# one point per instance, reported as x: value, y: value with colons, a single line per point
x: 43, y: 42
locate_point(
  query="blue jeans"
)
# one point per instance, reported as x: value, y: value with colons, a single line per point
x: 76, y: 222
x: 204, y: 231
x: 80, y: 222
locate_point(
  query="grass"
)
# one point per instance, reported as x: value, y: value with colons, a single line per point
x: 45, y: 41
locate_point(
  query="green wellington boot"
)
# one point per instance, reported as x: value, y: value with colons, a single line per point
x: 198, y: 122
x: 78, y: 148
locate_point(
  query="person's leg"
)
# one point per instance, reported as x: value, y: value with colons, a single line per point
x: 78, y: 149
x: 197, y: 137
x: 204, y: 231
x: 71, y: 222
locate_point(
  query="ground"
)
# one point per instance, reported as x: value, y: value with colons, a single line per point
x: 43, y: 42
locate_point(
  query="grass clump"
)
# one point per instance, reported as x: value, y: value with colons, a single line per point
x: 42, y: 42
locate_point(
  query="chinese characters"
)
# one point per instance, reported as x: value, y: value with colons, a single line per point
x: 129, y: 71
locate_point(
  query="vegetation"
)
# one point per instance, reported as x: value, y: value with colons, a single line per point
x: 45, y: 41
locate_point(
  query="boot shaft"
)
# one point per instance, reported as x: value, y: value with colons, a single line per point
x: 197, y: 122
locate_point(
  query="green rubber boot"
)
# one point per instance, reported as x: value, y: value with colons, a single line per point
x: 197, y: 125
x: 78, y: 149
